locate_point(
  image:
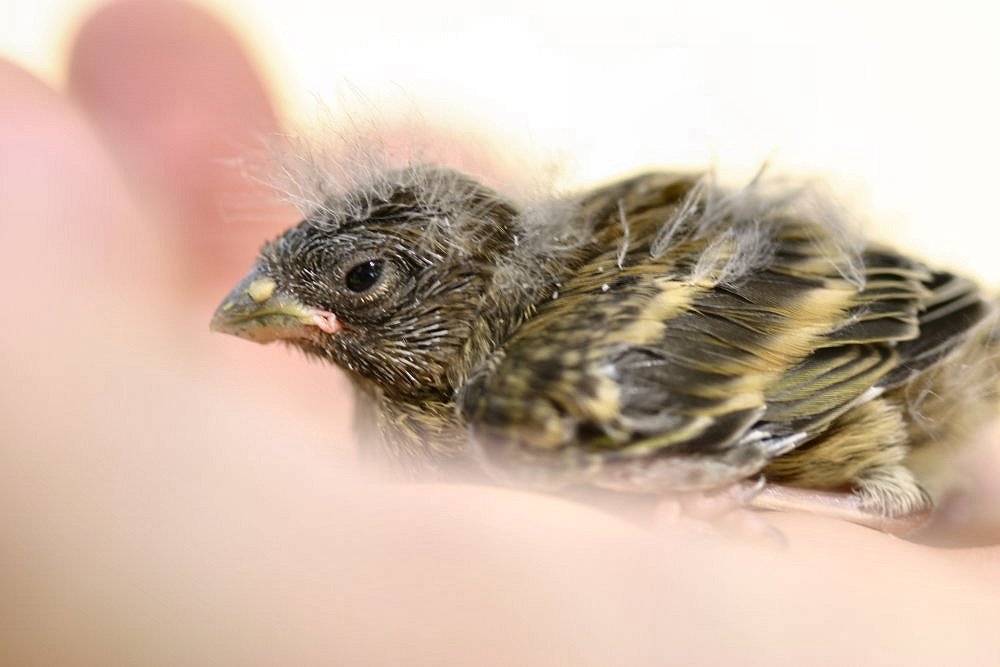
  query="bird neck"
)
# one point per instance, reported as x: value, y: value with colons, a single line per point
x: 409, y: 437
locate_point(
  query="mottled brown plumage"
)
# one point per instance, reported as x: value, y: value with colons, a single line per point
x: 659, y: 334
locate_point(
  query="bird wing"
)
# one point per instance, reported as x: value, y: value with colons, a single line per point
x: 649, y: 354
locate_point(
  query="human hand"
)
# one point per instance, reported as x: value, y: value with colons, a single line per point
x: 169, y: 497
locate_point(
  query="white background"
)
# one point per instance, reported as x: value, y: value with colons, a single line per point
x: 897, y: 102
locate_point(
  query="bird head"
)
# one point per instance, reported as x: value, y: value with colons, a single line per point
x: 392, y: 281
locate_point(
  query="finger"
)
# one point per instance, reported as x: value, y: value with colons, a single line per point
x: 66, y: 212
x: 178, y: 99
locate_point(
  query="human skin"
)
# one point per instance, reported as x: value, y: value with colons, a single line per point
x: 172, y: 497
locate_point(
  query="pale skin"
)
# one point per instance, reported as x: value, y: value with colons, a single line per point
x: 172, y: 497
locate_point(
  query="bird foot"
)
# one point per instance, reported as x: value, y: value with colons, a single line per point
x: 846, y: 506
x: 725, y: 512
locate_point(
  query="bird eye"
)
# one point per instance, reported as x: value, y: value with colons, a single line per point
x: 363, y: 277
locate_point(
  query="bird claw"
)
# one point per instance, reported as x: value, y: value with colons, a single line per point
x: 726, y: 512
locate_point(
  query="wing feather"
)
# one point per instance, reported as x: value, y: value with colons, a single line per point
x: 654, y: 359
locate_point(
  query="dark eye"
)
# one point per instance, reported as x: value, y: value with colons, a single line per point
x: 363, y: 277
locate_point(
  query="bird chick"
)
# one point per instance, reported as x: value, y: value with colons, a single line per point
x: 660, y: 334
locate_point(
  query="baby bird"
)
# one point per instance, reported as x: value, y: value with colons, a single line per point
x: 658, y: 335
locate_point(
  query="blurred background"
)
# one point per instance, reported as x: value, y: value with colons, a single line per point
x: 896, y: 101
x: 173, y: 497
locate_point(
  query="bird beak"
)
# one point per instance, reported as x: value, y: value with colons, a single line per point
x: 258, y: 310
